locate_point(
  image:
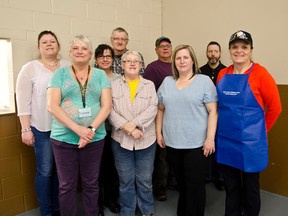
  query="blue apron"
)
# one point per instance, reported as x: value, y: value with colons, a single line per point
x: 241, y: 134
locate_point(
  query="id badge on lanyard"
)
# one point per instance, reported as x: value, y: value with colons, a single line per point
x: 85, y: 111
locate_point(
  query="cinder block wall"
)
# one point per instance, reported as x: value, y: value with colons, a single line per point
x: 22, y: 20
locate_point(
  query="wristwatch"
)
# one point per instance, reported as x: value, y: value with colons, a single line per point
x: 92, y: 128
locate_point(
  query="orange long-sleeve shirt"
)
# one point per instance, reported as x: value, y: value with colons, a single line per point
x: 265, y: 91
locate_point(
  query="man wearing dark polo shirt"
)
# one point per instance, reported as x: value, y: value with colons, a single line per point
x: 211, y: 69
x: 214, y: 65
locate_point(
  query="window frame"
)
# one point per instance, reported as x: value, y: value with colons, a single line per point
x: 7, y: 100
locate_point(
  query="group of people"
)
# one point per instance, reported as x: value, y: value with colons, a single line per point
x: 127, y: 126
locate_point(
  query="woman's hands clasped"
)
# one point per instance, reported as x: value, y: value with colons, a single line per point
x: 130, y: 128
x: 137, y: 134
x: 86, y: 136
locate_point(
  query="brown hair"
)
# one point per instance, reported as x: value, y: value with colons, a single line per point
x: 195, y: 68
x: 41, y: 34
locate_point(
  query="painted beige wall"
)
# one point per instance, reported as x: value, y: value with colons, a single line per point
x: 198, y: 22
x: 22, y: 20
x: 185, y: 21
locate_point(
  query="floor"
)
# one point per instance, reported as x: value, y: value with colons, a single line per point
x: 272, y: 205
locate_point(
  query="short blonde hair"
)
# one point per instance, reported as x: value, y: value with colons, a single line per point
x: 135, y: 53
x: 81, y: 38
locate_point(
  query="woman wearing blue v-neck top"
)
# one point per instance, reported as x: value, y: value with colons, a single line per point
x: 186, y: 125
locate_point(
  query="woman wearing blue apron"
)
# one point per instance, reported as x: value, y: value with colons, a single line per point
x: 249, y: 104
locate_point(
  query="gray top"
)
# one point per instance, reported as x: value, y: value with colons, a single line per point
x: 185, y: 119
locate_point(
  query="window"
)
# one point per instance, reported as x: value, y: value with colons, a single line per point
x: 7, y: 103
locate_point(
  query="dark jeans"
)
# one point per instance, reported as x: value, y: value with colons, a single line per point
x: 72, y: 162
x: 242, y: 192
x: 108, y: 177
x: 46, y: 180
x: 135, y: 170
x: 190, y: 169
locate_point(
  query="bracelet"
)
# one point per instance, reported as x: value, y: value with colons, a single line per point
x: 25, y: 130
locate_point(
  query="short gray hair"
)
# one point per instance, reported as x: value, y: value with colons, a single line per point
x: 135, y: 53
x: 81, y: 38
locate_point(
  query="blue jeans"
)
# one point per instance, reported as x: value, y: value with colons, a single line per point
x: 46, y: 180
x: 135, y: 170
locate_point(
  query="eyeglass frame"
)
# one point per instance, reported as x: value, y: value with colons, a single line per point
x: 102, y: 57
x: 119, y: 39
x: 167, y: 46
x: 132, y: 61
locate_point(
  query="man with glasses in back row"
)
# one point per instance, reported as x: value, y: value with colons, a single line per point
x: 156, y: 71
x: 119, y: 40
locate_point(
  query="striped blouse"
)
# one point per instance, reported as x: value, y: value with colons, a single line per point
x: 142, y: 112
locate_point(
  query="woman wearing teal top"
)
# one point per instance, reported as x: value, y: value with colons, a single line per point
x: 79, y: 98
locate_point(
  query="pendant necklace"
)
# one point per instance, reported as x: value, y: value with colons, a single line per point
x: 50, y: 65
x: 81, y: 78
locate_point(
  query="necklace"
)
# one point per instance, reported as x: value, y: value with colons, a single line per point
x: 81, y: 78
x: 50, y: 65
x: 82, y: 87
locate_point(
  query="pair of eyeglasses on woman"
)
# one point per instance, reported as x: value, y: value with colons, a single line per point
x: 132, y: 61
x: 102, y: 57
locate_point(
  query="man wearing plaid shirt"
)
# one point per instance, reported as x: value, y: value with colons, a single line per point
x: 119, y: 40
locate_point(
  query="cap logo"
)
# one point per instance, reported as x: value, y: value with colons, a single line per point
x: 239, y: 35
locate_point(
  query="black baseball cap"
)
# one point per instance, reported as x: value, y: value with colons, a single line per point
x: 241, y: 35
x: 160, y: 39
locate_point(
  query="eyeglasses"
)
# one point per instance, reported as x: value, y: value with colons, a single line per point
x: 102, y: 57
x: 165, y: 47
x: 132, y: 61
x: 119, y: 39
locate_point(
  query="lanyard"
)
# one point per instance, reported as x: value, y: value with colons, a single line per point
x: 82, y: 88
